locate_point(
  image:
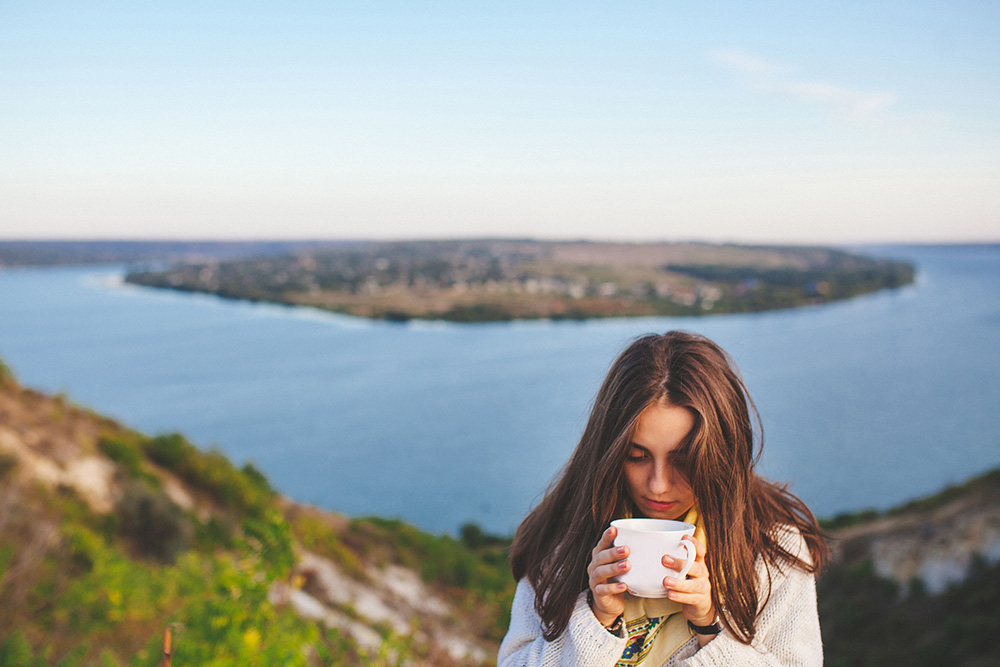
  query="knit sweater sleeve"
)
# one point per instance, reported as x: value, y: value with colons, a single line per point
x: 788, y: 633
x: 584, y: 643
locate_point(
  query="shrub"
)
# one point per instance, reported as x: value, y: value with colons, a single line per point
x: 256, y: 477
x: 214, y: 533
x: 128, y: 454
x: 83, y: 546
x: 245, y: 490
x: 475, y: 539
x: 171, y: 451
x: 152, y: 523
x: 15, y: 651
x: 8, y: 462
x: 269, y: 536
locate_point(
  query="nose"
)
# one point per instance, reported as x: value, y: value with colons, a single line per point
x: 660, y: 478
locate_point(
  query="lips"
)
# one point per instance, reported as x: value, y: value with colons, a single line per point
x: 660, y: 506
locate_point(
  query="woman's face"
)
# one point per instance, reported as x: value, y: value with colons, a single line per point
x: 657, y: 488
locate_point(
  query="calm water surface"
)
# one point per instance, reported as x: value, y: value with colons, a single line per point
x: 865, y: 403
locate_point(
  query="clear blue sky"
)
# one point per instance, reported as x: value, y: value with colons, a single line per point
x: 745, y: 121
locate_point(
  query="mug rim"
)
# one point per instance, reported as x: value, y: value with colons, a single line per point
x: 648, y: 525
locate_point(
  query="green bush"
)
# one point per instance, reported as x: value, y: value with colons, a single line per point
x: 256, y: 477
x: 475, y: 539
x: 152, y: 523
x: 170, y: 450
x: 215, y: 533
x: 271, y: 539
x: 83, y: 546
x: 244, y: 490
x: 15, y: 651
x: 127, y: 453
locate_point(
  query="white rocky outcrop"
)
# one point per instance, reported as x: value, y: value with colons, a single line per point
x: 936, y: 547
x: 390, y: 597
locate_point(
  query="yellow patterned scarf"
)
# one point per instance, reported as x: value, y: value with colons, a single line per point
x: 656, y: 627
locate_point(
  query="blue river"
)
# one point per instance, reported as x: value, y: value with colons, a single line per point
x: 865, y: 403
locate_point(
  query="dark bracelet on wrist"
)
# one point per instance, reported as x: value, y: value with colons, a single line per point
x: 712, y: 629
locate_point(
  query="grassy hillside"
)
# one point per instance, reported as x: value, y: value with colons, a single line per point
x: 107, y: 537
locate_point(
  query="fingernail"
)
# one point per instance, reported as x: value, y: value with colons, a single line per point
x: 622, y: 565
x: 620, y: 551
x: 669, y: 581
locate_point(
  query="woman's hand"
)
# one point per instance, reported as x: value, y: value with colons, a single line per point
x: 695, y: 592
x: 606, y: 561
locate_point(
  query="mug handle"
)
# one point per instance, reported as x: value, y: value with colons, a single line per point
x: 692, y: 552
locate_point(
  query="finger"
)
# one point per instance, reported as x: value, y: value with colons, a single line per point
x: 610, y: 555
x: 699, y: 547
x: 607, y: 538
x: 610, y: 589
x: 599, y: 555
x: 614, y: 569
x: 698, y: 569
x: 606, y: 542
x: 692, y: 586
x: 699, y: 602
x: 602, y: 574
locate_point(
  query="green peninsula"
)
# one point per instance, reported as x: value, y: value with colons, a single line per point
x: 496, y: 280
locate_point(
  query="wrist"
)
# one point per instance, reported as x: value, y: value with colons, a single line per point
x: 708, y: 619
x: 706, y: 628
x: 608, y: 620
x: 615, y: 627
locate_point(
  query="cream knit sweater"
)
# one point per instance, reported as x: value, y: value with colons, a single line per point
x: 787, y: 630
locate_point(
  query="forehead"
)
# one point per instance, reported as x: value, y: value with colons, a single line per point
x: 662, y: 427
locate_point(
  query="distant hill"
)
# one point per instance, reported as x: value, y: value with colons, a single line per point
x: 498, y: 279
x: 47, y: 253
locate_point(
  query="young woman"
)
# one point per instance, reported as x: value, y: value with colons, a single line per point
x: 671, y: 436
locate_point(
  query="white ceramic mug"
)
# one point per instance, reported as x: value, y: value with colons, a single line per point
x: 648, y: 541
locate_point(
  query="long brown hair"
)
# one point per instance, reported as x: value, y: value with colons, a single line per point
x: 743, y: 514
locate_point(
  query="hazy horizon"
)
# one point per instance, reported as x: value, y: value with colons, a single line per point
x: 472, y: 238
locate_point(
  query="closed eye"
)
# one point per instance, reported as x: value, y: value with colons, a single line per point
x: 636, y: 454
